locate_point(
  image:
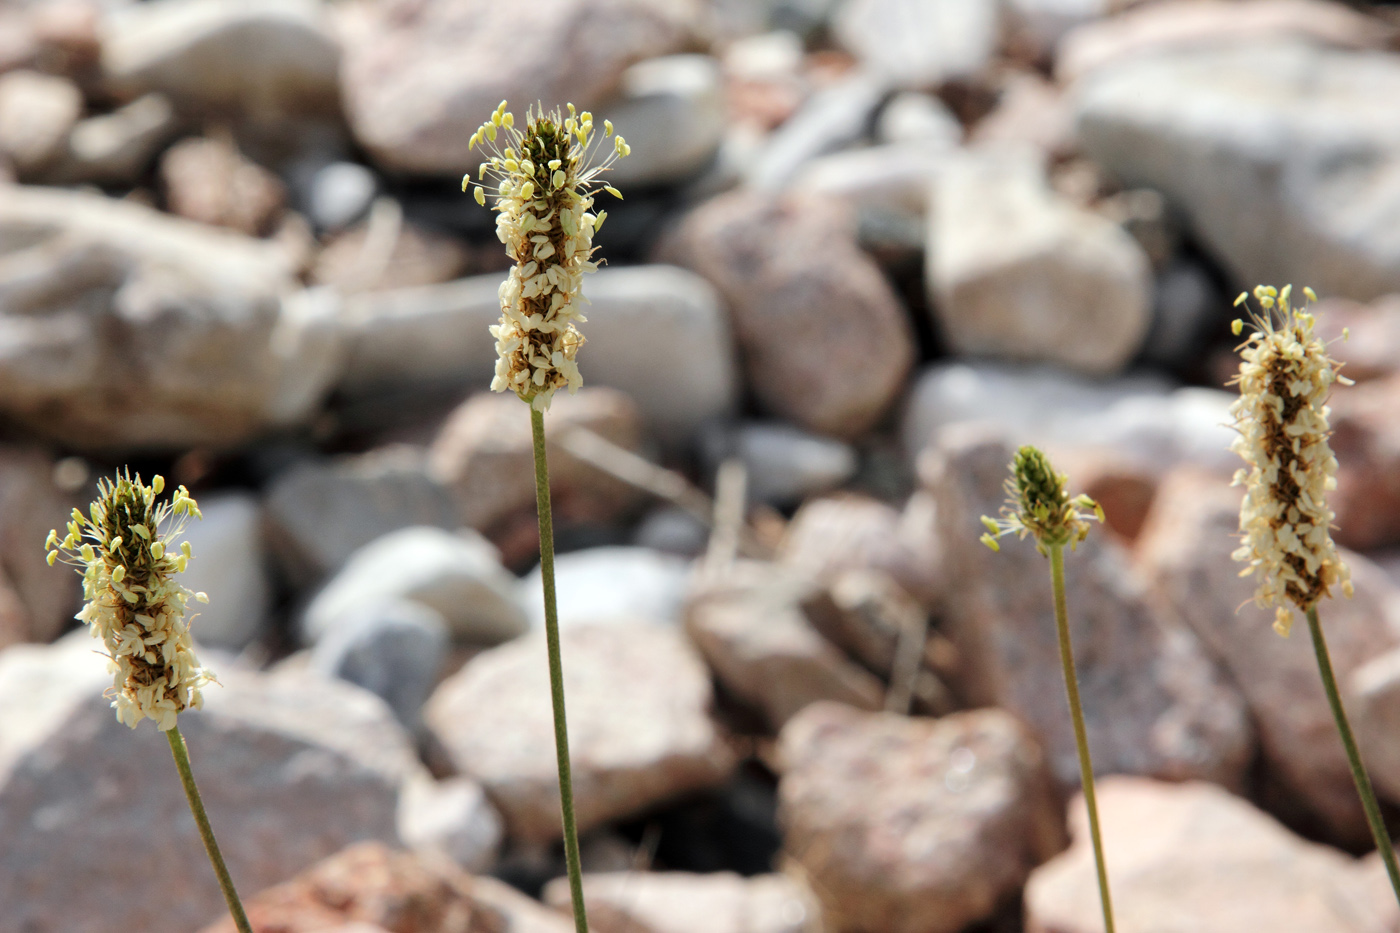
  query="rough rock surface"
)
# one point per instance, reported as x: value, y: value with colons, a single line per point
x: 1017, y: 272
x: 420, y: 77
x: 127, y: 328
x: 1184, y: 551
x: 679, y: 902
x: 913, y: 825
x: 1192, y: 858
x: 319, y: 513
x: 639, y: 726
x: 1292, y: 179
x: 1155, y: 702
x: 299, y: 769
x: 824, y: 340
x: 765, y: 650
x: 484, y: 453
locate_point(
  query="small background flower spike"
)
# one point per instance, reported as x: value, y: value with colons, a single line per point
x: 544, y: 178
x: 126, y: 549
x: 1038, y: 505
x: 1285, y: 378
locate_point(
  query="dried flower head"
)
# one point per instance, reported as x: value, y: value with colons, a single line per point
x: 544, y: 178
x: 1038, y: 505
x: 1281, y: 416
x: 125, y: 547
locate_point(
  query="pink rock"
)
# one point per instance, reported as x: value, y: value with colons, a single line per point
x: 680, y: 902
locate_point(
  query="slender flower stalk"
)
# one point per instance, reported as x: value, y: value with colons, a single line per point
x: 1285, y: 524
x: 544, y: 177
x: 1038, y: 505
x: 125, y: 548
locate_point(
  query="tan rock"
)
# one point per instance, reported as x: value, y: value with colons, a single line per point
x: 639, y: 726
x: 485, y: 454
x: 1155, y: 702
x: 1366, y: 440
x: 32, y: 503
x: 679, y: 902
x: 1184, y: 552
x: 764, y: 649
x: 1192, y: 858
x: 1365, y: 337
x: 1372, y: 693
x: 37, y: 111
x: 913, y: 825
x: 210, y: 181
x: 353, y: 261
x: 825, y: 340
x: 505, y: 910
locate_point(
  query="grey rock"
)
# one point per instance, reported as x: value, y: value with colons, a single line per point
x: 395, y: 649
x: 339, y: 193
x: 299, y: 769
x: 892, y: 179
x: 230, y: 565
x: 126, y: 328
x: 784, y: 464
x: 658, y: 333
x: 681, y: 902
x: 831, y: 119
x: 32, y: 502
x: 672, y: 112
x: 1186, y: 305
x: 913, y: 825
x: 458, y: 575
x: 42, y: 685
x: 451, y: 817
x: 758, y: 640
x: 319, y: 513
x: 672, y: 530
x: 1141, y: 419
x: 116, y: 147
x: 418, y: 80
x: 639, y: 726
x: 1155, y: 701
x: 1289, y: 180
x: 37, y: 112
x: 920, y: 43
x: 612, y: 584
x: 1374, y: 694
x: 912, y: 117
x: 1184, y: 552
x: 1016, y: 272
x: 812, y: 312
x: 259, y: 58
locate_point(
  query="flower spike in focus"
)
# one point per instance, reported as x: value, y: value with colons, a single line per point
x: 1281, y: 415
x: 543, y: 176
x: 126, y: 548
x: 1038, y: 505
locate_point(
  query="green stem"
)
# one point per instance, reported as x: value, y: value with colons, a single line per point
x: 206, y: 832
x: 1358, y: 770
x: 1081, y: 737
x: 556, y: 671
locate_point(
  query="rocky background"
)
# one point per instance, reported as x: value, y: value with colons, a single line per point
x: 867, y: 247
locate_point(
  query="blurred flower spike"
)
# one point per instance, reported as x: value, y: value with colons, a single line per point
x: 1038, y: 505
x: 542, y: 181
x: 126, y: 549
x: 1285, y: 525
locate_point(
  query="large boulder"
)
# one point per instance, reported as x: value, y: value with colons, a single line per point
x: 124, y: 328
x: 1290, y: 179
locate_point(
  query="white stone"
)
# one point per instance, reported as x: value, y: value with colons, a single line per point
x: 230, y: 565
x: 37, y: 111
x: 339, y: 194
x: 658, y: 333
x: 460, y: 575
x: 1284, y: 157
x: 451, y: 817
x: 263, y: 57
x: 832, y: 118
x: 920, y: 43
x: 672, y: 112
x: 1015, y: 271
x: 912, y: 117
x: 611, y: 585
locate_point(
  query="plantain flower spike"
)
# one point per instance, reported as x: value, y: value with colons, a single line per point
x: 542, y: 180
x: 126, y: 549
x: 1281, y: 416
x: 1038, y: 505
